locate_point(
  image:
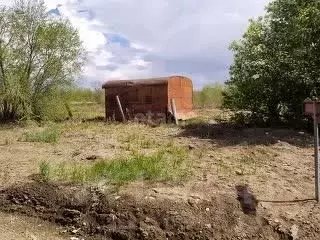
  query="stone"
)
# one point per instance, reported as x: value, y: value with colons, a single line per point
x: 208, y: 225
x: 239, y: 172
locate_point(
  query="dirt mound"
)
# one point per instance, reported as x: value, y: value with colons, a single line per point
x: 89, y: 212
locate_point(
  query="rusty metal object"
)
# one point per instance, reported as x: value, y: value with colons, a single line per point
x: 145, y: 96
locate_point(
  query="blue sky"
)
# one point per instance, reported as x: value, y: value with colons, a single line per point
x: 140, y: 39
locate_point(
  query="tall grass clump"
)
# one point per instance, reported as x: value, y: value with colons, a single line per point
x: 45, y: 170
x: 209, y: 96
x: 50, y: 134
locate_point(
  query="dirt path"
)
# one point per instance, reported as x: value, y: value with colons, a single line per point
x: 17, y: 227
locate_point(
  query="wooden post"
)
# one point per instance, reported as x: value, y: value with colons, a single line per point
x: 174, y: 111
x: 316, y: 150
x: 120, y: 108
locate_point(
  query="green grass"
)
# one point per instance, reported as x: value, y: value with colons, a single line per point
x: 50, y: 134
x: 169, y: 163
x: 45, y: 170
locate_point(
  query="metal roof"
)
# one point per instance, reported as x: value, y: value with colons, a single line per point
x: 138, y: 82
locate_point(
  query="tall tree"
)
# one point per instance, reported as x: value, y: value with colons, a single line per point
x: 38, y: 55
x: 277, y: 62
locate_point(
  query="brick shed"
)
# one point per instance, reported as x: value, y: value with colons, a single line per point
x: 145, y: 98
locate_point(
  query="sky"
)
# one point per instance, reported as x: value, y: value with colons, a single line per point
x: 128, y: 39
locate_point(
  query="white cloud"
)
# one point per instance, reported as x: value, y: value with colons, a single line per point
x: 153, y: 38
x: 182, y: 36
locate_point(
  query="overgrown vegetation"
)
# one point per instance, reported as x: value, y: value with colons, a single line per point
x: 50, y: 134
x: 170, y: 163
x: 39, y: 56
x: 209, y: 97
x: 277, y: 63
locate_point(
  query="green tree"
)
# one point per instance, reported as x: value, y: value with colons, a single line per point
x: 277, y: 62
x: 39, y: 55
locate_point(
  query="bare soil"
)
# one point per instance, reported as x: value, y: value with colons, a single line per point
x: 18, y: 227
x: 88, y: 212
x: 277, y: 164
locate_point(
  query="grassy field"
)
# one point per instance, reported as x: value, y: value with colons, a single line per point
x: 197, y: 160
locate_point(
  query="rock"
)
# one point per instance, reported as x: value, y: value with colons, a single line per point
x: 208, y: 225
x: 117, y: 197
x: 150, y: 198
x: 239, y: 172
x: 277, y: 220
x: 207, y: 209
x: 74, y: 238
x: 75, y: 231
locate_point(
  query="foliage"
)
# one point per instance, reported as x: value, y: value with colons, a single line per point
x: 50, y: 134
x: 39, y: 55
x: 277, y: 63
x: 209, y: 96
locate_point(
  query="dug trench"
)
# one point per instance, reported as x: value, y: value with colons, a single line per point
x: 89, y: 213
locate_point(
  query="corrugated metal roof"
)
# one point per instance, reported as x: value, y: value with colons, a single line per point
x: 136, y: 82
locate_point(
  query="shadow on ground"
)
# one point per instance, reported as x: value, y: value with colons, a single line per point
x: 228, y: 134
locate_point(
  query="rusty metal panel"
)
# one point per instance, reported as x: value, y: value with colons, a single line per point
x: 148, y: 96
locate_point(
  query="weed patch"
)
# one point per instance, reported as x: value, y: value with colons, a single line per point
x: 165, y: 164
x: 44, y: 170
x: 49, y: 135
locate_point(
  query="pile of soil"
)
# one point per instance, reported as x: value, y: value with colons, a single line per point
x: 88, y: 212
